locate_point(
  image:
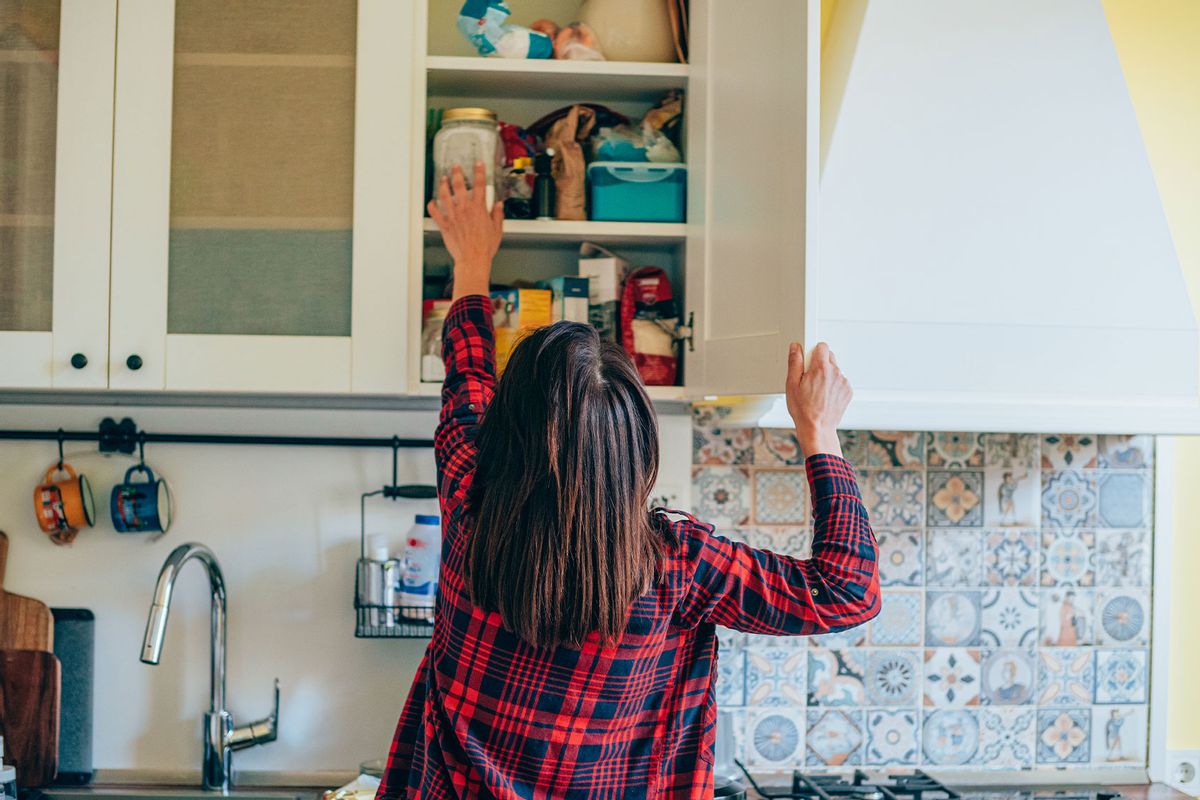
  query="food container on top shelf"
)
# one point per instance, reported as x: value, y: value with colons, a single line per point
x: 468, y: 135
x: 637, y: 191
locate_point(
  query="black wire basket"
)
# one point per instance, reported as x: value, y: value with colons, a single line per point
x: 374, y: 621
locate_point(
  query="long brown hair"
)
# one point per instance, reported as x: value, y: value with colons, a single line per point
x: 568, y: 454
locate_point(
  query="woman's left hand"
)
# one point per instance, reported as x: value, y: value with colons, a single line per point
x: 471, y: 230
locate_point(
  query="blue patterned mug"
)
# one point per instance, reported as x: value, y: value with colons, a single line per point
x: 141, y: 506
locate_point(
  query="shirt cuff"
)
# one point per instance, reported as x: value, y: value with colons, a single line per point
x: 476, y: 308
x: 830, y: 475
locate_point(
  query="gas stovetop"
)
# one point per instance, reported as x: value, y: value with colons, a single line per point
x: 915, y: 786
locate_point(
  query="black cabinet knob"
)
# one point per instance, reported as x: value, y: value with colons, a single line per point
x: 79, y: 361
x: 134, y: 362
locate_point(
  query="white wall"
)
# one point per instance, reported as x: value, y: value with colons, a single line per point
x: 284, y: 524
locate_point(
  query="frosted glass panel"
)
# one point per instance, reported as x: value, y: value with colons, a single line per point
x: 28, y: 111
x: 262, y: 168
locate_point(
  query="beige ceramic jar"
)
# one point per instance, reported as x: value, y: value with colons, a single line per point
x: 631, y: 30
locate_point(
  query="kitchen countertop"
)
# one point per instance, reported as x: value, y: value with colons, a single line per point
x: 1151, y: 791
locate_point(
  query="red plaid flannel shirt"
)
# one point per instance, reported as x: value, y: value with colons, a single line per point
x: 491, y: 716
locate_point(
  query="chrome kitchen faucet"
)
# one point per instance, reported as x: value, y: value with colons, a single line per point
x: 221, y: 738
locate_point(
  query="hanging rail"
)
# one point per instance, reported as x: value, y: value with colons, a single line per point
x: 124, y: 437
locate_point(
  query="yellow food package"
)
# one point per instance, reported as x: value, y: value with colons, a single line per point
x: 515, y: 311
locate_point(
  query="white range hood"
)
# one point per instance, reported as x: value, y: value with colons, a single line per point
x: 993, y: 250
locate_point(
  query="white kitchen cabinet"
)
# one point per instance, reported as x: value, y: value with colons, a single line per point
x: 260, y: 196
x: 240, y: 199
x: 56, y: 61
x: 743, y: 262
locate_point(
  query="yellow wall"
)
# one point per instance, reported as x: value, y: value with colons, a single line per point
x: 1158, y: 42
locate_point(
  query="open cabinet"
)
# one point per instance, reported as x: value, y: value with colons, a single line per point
x: 739, y: 265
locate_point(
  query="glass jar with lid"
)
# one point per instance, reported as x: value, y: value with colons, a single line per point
x: 468, y: 135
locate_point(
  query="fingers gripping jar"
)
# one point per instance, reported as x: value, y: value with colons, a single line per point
x: 468, y: 135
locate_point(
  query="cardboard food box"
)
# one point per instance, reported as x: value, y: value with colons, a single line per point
x: 514, y: 312
x: 569, y: 298
x: 605, y: 272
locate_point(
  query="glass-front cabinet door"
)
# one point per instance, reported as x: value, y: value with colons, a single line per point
x: 56, y: 85
x: 260, y: 195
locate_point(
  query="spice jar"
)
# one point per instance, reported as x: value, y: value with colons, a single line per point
x: 468, y: 135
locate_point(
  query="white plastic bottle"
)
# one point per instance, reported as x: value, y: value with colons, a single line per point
x: 419, y: 568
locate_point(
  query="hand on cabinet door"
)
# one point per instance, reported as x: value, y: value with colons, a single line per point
x: 816, y: 399
x: 471, y: 230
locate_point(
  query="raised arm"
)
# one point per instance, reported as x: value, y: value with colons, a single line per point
x: 472, y: 234
x: 743, y: 588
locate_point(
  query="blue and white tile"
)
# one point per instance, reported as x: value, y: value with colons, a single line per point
x: 893, y: 677
x: 895, y: 449
x: 893, y: 736
x: 1069, y: 451
x: 775, y: 738
x: 1067, y: 617
x: 953, y: 618
x: 953, y: 558
x: 952, y: 677
x: 955, y: 449
x: 731, y: 677
x: 1068, y: 558
x: 835, y: 677
x: 775, y: 676
x: 955, y: 499
x: 901, y: 557
x: 1011, y: 450
x: 854, y: 448
x: 1009, y: 617
x: 895, y: 498
x: 1123, y: 558
x: 1009, y: 677
x: 851, y: 637
x: 1012, y: 497
x: 1119, y: 735
x: 1069, y: 499
x: 1121, y: 676
x: 1123, y: 617
x: 835, y: 738
x: 899, y: 620
x: 950, y: 737
x: 1126, y: 452
x: 1007, y: 737
x: 780, y: 497
x: 776, y: 447
x: 1010, y: 557
x: 1066, y: 676
x: 729, y: 639
x: 1064, y: 735
x: 1126, y: 499
x: 722, y: 495
x: 712, y: 443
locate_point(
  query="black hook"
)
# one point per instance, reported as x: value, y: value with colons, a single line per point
x: 395, y: 461
x: 61, y: 436
x: 141, y: 441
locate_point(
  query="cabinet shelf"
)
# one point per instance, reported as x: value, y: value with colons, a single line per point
x: 656, y: 393
x: 533, y: 231
x: 459, y: 76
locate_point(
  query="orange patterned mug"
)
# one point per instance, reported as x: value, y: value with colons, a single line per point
x: 65, y: 505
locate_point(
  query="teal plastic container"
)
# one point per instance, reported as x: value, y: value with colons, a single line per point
x: 637, y: 191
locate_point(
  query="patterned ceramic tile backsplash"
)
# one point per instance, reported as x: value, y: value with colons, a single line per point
x: 1015, y: 624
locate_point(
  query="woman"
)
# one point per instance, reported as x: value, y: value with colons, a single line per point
x: 574, y: 642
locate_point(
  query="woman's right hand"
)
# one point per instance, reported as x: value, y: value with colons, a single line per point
x: 816, y: 398
x: 469, y: 228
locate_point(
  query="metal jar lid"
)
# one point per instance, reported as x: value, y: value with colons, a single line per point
x: 472, y: 114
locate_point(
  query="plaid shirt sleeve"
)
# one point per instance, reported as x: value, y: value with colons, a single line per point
x: 469, y: 350
x: 740, y: 587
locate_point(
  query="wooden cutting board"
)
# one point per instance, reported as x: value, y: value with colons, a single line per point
x: 25, y: 623
x: 30, y: 688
